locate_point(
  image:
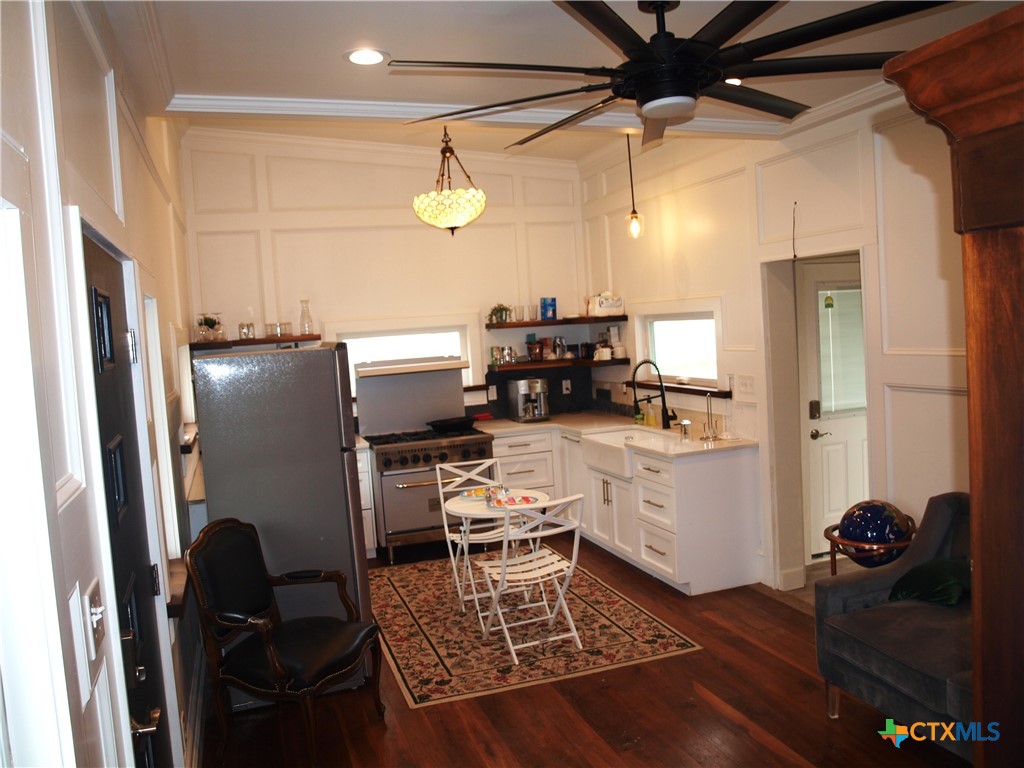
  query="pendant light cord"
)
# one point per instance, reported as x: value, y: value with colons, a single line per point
x: 629, y: 157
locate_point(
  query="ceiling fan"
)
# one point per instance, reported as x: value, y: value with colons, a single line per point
x: 667, y: 75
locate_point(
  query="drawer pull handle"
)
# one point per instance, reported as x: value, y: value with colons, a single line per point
x: 654, y: 504
x: 656, y: 551
x: 645, y: 468
x: 570, y: 439
x: 519, y: 445
x: 521, y: 472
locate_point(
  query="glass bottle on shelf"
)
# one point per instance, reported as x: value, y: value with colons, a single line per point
x: 305, y: 319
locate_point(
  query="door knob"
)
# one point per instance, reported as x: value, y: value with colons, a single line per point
x: 815, y: 434
x: 145, y: 729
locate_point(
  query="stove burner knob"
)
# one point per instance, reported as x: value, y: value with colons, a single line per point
x: 481, y: 452
x: 442, y: 457
x: 403, y: 460
x: 415, y: 458
x: 426, y: 458
x: 465, y: 453
x: 387, y: 462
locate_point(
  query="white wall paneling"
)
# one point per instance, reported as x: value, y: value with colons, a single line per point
x: 229, y: 268
x: 823, y: 179
x: 921, y: 278
x: 926, y: 439
x: 223, y: 182
x: 333, y: 223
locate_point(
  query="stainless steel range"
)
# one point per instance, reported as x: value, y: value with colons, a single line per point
x: 406, y: 502
x: 395, y: 410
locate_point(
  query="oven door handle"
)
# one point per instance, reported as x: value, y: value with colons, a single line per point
x: 423, y: 483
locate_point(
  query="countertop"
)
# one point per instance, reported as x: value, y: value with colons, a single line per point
x: 576, y: 423
x: 592, y: 422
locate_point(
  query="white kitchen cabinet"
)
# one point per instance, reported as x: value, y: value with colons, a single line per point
x: 687, y: 517
x: 366, y: 502
x: 574, y: 475
x: 611, y: 505
x: 527, y: 461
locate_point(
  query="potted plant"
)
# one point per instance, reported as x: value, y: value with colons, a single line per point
x: 500, y: 313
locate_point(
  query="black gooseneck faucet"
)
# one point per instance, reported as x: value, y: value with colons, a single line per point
x: 666, y: 416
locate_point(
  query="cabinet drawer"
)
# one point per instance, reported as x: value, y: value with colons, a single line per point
x: 363, y: 461
x: 365, y: 494
x: 512, y: 445
x: 534, y: 470
x: 656, y: 504
x: 650, y: 468
x: 657, y: 549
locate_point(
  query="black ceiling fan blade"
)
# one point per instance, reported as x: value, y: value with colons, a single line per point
x: 808, y: 65
x: 821, y: 29
x: 513, y: 102
x: 554, y: 69
x: 573, y: 118
x: 729, y: 22
x: 748, y: 97
x: 609, y: 24
x: 654, y: 130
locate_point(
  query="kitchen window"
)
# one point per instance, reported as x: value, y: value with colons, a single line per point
x: 685, y: 348
x: 426, y: 338
x: 683, y: 337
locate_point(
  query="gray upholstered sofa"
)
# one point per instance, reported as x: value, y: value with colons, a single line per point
x: 910, y: 658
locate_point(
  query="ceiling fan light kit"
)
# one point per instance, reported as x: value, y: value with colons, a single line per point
x: 667, y: 75
x: 445, y: 207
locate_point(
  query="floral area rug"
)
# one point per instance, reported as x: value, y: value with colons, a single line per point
x: 438, y: 653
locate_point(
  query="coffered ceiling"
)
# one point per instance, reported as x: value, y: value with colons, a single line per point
x: 281, y: 66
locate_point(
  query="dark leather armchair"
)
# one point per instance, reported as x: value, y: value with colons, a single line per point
x: 247, y: 644
x: 908, y: 658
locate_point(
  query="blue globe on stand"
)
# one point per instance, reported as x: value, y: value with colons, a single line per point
x: 874, y: 522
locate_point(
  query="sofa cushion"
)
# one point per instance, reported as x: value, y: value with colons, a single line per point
x: 944, y: 580
x: 915, y: 646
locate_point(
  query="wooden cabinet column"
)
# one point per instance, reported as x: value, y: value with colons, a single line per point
x: 971, y: 84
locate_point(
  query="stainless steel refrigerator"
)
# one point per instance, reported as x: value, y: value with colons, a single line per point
x: 278, y: 450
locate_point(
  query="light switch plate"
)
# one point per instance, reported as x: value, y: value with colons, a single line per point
x: 95, y: 619
x: 566, y: 386
x: 745, y: 384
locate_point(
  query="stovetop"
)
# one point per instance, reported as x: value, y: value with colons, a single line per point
x: 420, y: 436
x: 425, y: 448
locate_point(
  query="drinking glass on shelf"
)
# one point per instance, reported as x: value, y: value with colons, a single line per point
x: 533, y: 311
x: 519, y: 313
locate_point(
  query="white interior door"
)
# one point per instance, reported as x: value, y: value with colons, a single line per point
x: 832, y: 393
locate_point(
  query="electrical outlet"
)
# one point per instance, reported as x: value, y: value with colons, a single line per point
x: 492, y: 393
x: 566, y: 387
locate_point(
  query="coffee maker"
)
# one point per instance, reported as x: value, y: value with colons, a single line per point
x: 528, y: 400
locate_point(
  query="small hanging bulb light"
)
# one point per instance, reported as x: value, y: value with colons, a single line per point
x: 635, y: 221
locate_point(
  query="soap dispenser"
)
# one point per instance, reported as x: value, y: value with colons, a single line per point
x: 649, y: 418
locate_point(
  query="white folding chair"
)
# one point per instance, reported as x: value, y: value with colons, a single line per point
x: 526, y: 573
x: 452, y: 480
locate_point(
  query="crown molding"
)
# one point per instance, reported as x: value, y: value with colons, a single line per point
x: 321, y: 108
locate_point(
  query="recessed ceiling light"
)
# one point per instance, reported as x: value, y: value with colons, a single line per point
x: 733, y: 81
x: 366, y: 56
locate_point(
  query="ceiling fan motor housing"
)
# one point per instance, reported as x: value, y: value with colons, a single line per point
x: 670, y: 90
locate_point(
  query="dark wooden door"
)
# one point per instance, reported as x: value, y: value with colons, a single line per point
x: 134, y: 573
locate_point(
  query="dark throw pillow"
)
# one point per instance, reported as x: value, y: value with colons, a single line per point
x: 943, y: 580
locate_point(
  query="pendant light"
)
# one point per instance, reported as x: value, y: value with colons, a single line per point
x: 635, y: 221
x: 448, y: 208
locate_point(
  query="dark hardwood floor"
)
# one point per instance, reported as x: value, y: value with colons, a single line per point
x: 751, y: 697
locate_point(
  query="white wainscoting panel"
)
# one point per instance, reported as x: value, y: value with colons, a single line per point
x: 223, y: 182
x: 229, y: 278
x: 823, y: 179
x: 921, y: 277
x: 926, y: 445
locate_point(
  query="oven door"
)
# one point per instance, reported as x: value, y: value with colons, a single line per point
x: 410, y: 502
